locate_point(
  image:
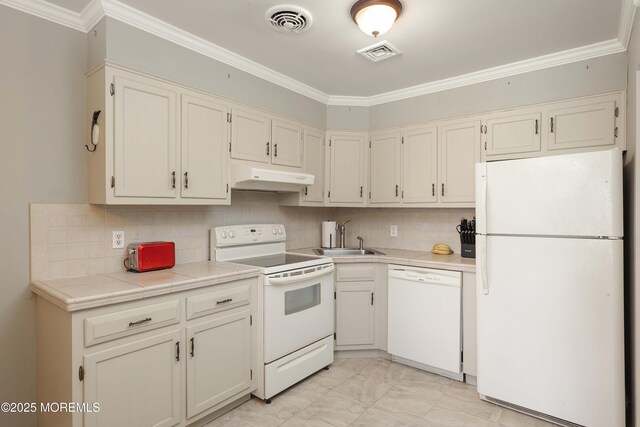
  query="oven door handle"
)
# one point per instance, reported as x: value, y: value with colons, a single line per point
x: 299, y: 277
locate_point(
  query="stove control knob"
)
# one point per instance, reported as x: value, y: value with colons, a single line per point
x: 223, y: 234
x: 274, y: 231
x: 232, y: 234
x: 280, y: 231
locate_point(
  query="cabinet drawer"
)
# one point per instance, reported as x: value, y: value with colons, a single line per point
x: 355, y: 273
x: 212, y: 302
x: 128, y: 322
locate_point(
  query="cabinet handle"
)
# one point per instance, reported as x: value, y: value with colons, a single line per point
x: 396, y: 190
x: 551, y: 124
x: 361, y: 191
x: 433, y: 189
x: 306, y: 191
x: 443, y: 188
x: 140, y: 322
x: 267, y: 148
x: 225, y: 301
x: 186, y: 180
x: 177, y: 351
x: 275, y: 150
x: 173, y: 179
x: 536, y: 126
x: 371, y: 298
x: 193, y: 347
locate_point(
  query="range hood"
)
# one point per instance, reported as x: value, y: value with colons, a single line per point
x: 250, y: 178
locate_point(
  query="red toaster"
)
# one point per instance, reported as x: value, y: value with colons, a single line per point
x: 150, y: 256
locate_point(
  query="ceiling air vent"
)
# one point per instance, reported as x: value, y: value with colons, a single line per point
x: 379, y: 51
x: 288, y: 18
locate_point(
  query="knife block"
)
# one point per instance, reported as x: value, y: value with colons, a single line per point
x: 468, y: 250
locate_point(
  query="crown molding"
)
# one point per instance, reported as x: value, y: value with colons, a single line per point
x: 546, y: 61
x: 97, y: 9
x: 627, y: 13
x: 49, y: 11
x: 91, y: 14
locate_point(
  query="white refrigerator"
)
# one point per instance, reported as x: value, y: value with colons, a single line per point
x: 550, y: 303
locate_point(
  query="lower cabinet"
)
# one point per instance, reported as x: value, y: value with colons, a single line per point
x: 361, y: 306
x: 153, y: 363
x: 218, y: 360
x: 136, y: 384
x: 355, y: 314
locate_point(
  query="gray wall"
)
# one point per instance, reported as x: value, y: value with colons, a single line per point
x: 129, y: 46
x: 347, y: 118
x: 598, y: 75
x: 631, y: 231
x: 43, y: 160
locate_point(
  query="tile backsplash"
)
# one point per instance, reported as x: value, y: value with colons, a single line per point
x: 70, y: 240
x: 418, y: 229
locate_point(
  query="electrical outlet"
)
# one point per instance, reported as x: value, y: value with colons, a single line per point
x: 393, y: 231
x: 118, y: 240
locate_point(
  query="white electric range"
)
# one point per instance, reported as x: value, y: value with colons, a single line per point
x: 296, y: 298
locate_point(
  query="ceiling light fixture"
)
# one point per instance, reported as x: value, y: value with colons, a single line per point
x: 375, y: 17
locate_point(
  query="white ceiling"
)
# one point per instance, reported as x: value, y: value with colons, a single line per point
x: 439, y: 39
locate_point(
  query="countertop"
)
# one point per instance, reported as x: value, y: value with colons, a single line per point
x: 405, y: 257
x: 79, y: 293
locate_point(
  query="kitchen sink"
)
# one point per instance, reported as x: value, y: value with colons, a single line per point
x: 346, y: 252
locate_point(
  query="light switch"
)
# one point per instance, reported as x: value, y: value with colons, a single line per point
x: 393, y: 231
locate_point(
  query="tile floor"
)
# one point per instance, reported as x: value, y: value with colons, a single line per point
x: 375, y: 392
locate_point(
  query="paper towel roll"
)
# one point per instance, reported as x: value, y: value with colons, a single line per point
x: 328, y: 234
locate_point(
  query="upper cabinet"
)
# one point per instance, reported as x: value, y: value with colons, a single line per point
x: 250, y: 135
x: 312, y: 163
x: 287, y: 143
x: 425, y: 166
x: 346, y: 165
x: 158, y: 142
x: 458, y: 148
x: 384, y: 164
x: 258, y: 137
x: 144, y: 140
x: 584, y: 124
x: 513, y: 132
x: 419, y: 164
x: 204, y: 147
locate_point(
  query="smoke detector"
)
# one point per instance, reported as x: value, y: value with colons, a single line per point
x: 379, y: 51
x: 288, y: 18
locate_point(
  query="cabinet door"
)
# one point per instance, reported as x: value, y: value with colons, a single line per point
x: 384, y: 168
x: 355, y: 314
x: 204, y: 148
x: 513, y: 133
x: 218, y: 360
x: 250, y: 136
x: 419, y: 165
x: 286, y: 138
x: 136, y: 384
x: 144, y: 137
x: 346, y: 169
x: 458, y: 147
x: 583, y: 124
x: 314, y: 164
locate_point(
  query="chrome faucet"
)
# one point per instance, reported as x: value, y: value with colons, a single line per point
x: 361, y: 239
x: 341, y: 229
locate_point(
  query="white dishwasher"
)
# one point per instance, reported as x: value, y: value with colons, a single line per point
x: 425, y: 319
